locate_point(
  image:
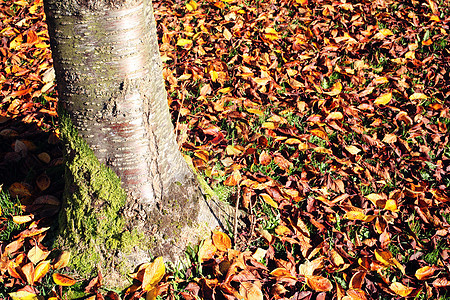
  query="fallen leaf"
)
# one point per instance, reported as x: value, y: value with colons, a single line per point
x: 221, y: 241
x: 154, y: 272
x: 63, y: 280
x: 400, y: 289
x: 319, y: 283
x: 383, y: 99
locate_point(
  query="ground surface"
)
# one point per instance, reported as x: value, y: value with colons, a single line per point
x: 327, y: 121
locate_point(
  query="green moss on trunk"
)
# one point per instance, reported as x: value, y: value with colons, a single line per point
x: 92, y: 226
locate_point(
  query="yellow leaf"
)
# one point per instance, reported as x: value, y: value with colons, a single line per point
x: 386, y: 32
x: 153, y: 274
x: 400, y: 289
x: 271, y: 34
x: 384, y: 256
x: 336, y: 89
x: 410, y: 55
x: 383, y: 99
x: 192, y: 5
x: 221, y: 241
x: 292, y: 141
x: 231, y: 150
x: 225, y: 90
x: 282, y: 230
x: 391, y: 205
x: 357, y: 215
x: 336, y: 115
x: 16, y: 42
x: 183, y: 42
x: 152, y: 294
x: 268, y: 125
x: 23, y: 295
x: 352, y: 149
x: 214, y: 75
x: 22, y: 219
x: 257, y: 112
x: 380, y: 80
x: 40, y: 270
x: 418, y: 96
x: 206, y: 251
x: 269, y: 200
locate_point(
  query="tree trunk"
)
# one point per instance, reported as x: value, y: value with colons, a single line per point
x: 130, y: 195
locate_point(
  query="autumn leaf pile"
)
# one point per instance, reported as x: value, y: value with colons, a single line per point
x: 327, y: 122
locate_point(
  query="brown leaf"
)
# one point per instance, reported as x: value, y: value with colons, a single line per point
x: 265, y: 158
x: 251, y: 291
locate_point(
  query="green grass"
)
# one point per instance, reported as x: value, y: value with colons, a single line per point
x: 9, y: 208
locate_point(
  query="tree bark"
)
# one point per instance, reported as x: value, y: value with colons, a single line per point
x: 114, y: 116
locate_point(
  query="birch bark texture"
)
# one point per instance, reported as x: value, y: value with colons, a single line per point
x: 114, y: 116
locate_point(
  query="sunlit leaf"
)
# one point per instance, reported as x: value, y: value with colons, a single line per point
x: 250, y: 291
x: 184, y: 42
x: 400, y: 289
x: 63, y: 280
x: 352, y: 149
x: 282, y: 230
x: 269, y: 200
x: 206, y: 250
x: 24, y: 295
x: 221, y: 241
x: 358, y: 215
x: 154, y: 272
x: 336, y: 115
x: 319, y: 283
x: 281, y: 273
x: 425, y: 273
x: 22, y: 219
x: 418, y: 96
x: 383, y: 99
x: 335, y: 90
x: 319, y: 133
x: 35, y: 254
x: 192, y: 5
x: 41, y: 270
x: 271, y: 34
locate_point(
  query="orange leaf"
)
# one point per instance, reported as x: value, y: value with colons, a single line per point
x: 383, y: 99
x: 425, y: 272
x: 319, y: 133
x: 357, y: 280
x: 269, y: 200
x: 319, y: 283
x: 221, y: 241
x: 153, y: 274
x: 281, y: 273
x: 63, y: 280
x: 400, y: 289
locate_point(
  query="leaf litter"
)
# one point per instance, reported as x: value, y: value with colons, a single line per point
x: 327, y: 121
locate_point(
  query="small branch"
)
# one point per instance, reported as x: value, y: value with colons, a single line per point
x: 236, y: 211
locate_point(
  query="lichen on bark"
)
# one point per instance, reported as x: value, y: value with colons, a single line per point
x: 91, y: 220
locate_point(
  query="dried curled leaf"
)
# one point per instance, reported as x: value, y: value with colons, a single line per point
x: 63, y: 280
